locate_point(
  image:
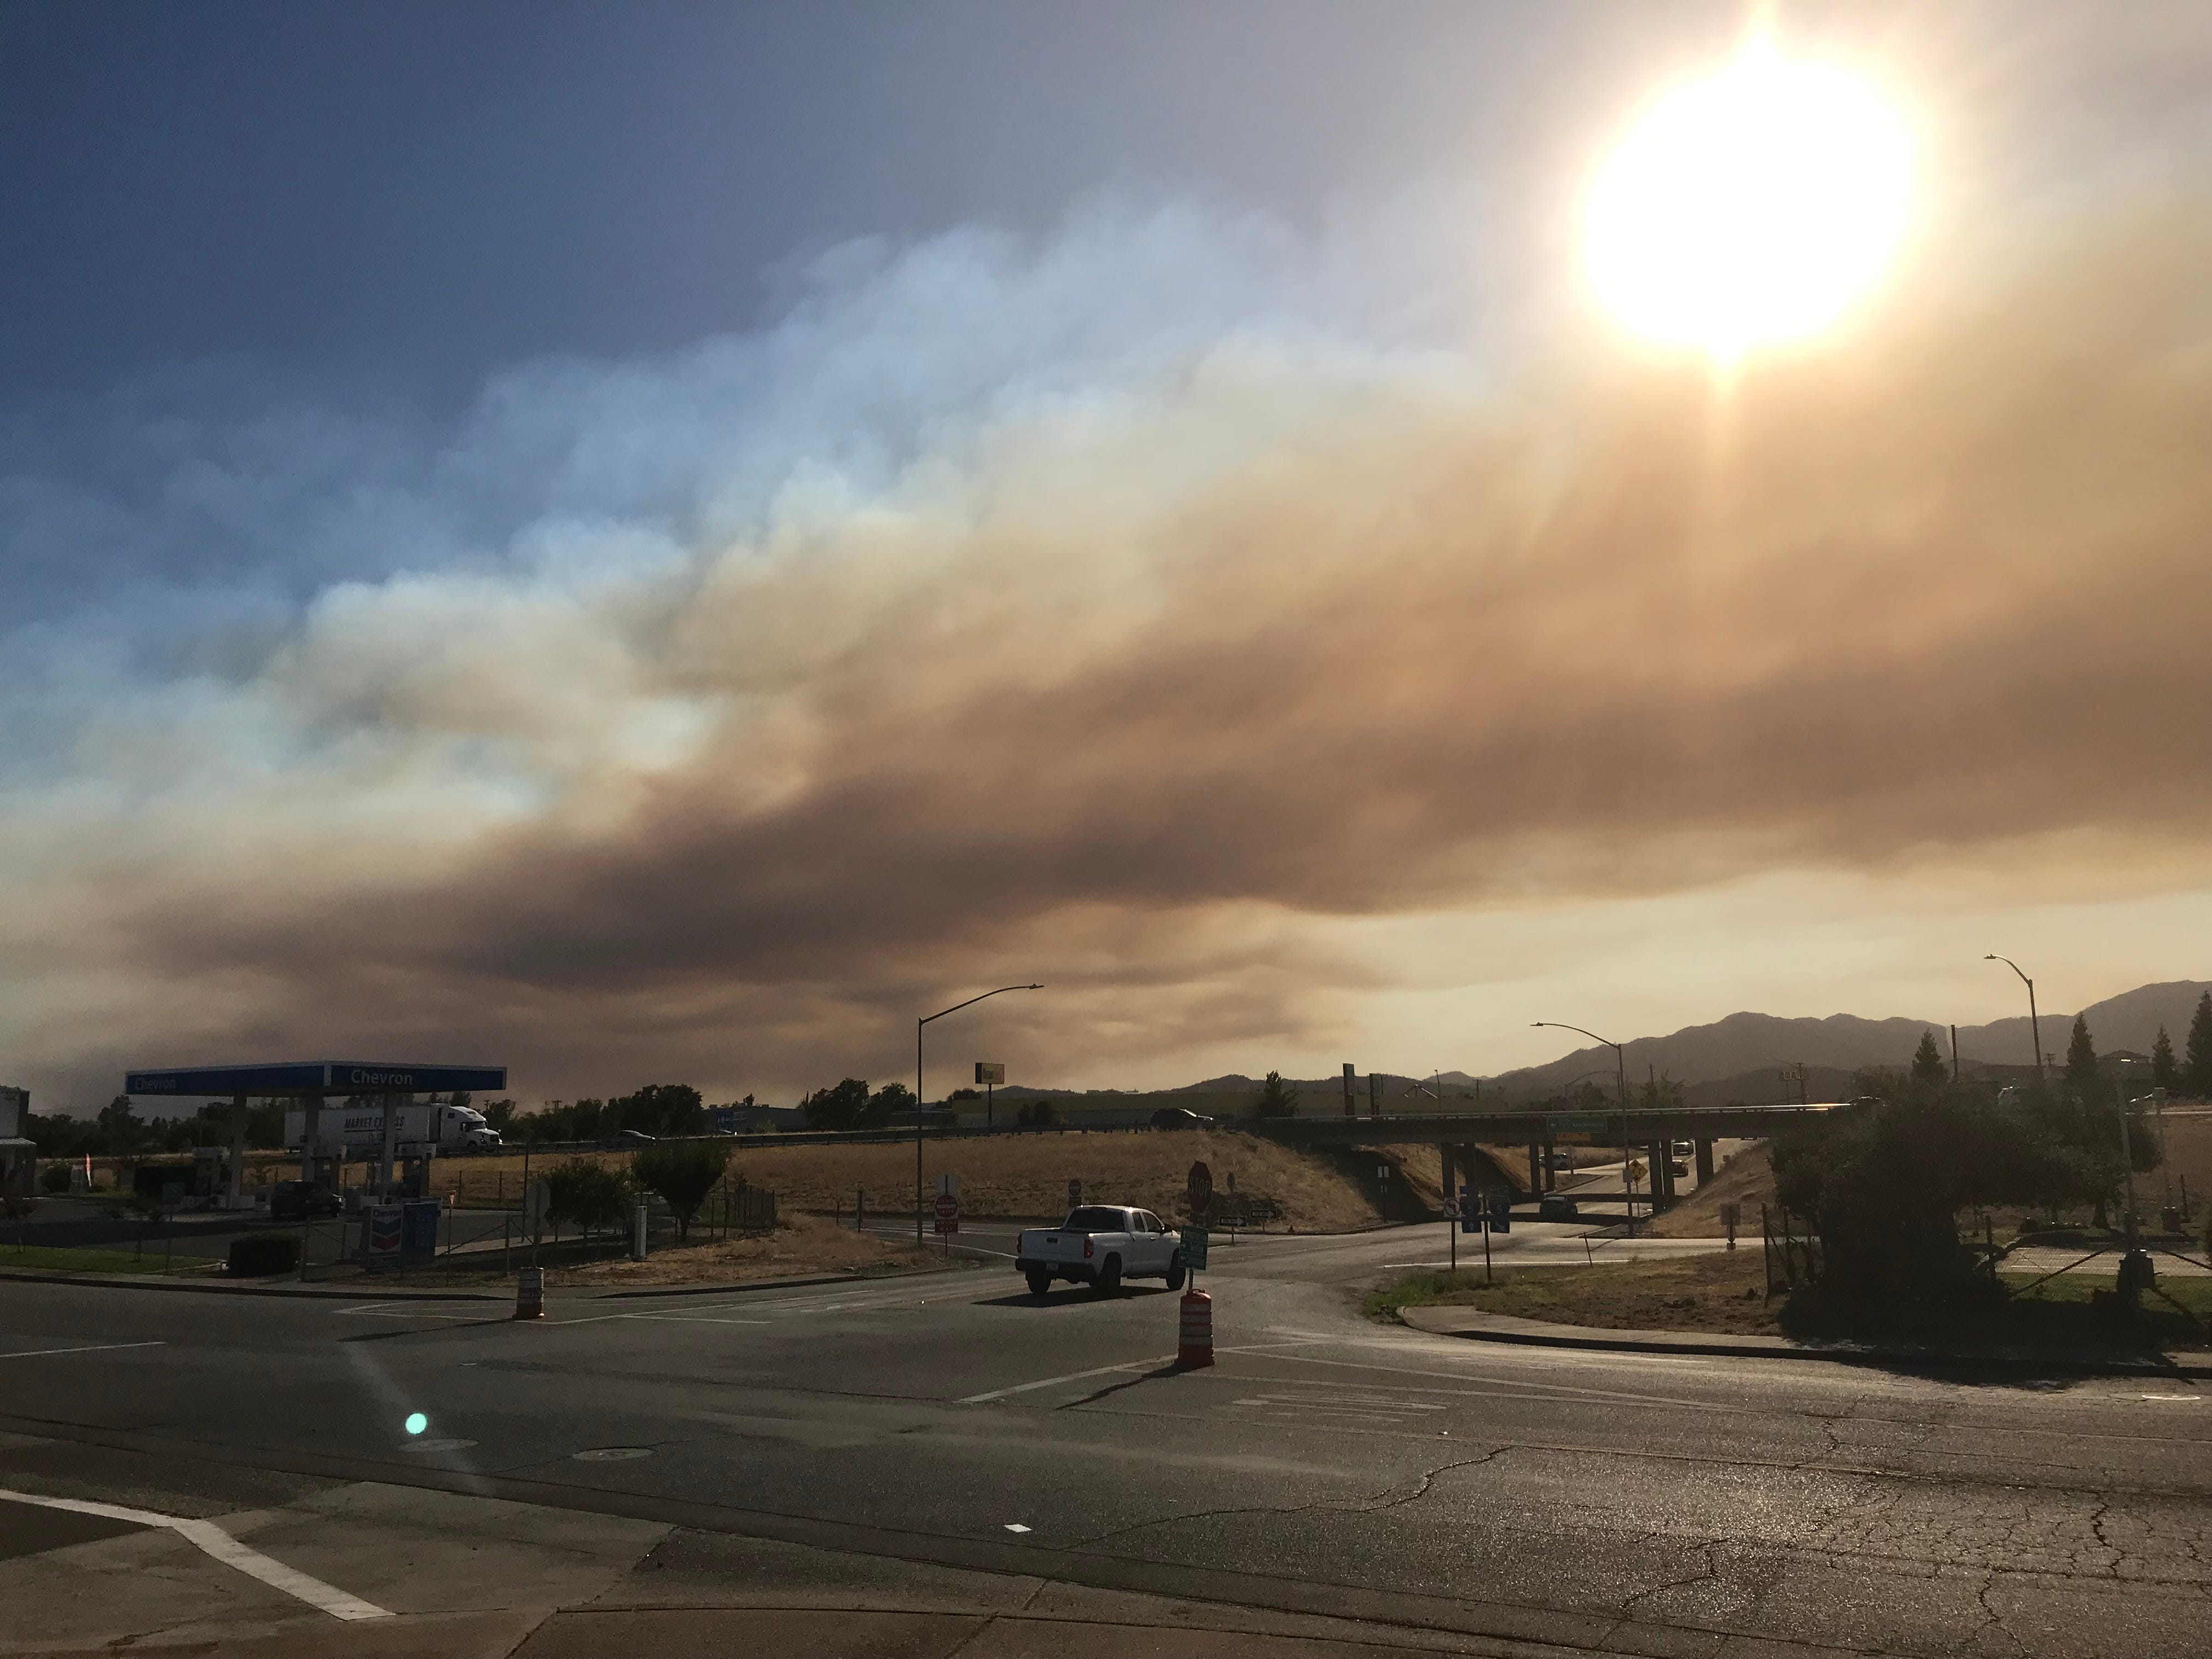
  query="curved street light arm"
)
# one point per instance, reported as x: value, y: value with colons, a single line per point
x: 918, y: 1024
x: 2034, y: 1025
x: 1619, y: 1054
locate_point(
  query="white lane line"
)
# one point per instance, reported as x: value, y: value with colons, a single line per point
x: 1071, y: 1376
x: 1550, y: 1389
x: 486, y: 1318
x: 1588, y: 1358
x: 700, y: 1319
x: 224, y: 1548
x: 96, y: 1347
x: 845, y: 1302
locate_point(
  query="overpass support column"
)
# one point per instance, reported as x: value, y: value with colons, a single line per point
x: 1444, y: 1152
x: 1662, y: 1184
x: 1705, y: 1159
x: 1535, y: 1167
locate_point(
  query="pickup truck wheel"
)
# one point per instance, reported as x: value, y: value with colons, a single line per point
x: 1109, y: 1275
x: 1175, y: 1270
x: 1039, y: 1283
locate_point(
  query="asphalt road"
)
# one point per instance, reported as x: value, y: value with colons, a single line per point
x: 1325, y: 1465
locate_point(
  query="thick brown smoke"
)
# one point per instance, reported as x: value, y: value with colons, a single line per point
x: 1093, y: 698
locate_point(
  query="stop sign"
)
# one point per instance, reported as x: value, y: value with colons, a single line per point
x: 1201, y: 1190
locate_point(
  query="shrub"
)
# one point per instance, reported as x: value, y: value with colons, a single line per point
x: 586, y: 1193
x: 681, y: 1173
x: 55, y: 1178
x: 258, y: 1256
x: 1883, y: 1182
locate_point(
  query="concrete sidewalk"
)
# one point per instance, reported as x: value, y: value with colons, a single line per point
x: 1479, y: 1327
x: 447, y: 1576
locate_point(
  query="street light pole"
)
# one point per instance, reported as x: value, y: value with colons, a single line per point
x: 2034, y: 1030
x: 1621, y: 1084
x: 2127, y: 1142
x: 1619, y: 1059
x: 918, y: 1024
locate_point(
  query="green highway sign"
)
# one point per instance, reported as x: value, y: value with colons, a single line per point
x: 1195, y: 1241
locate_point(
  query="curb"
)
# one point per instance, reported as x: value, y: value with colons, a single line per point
x: 138, y: 1282
x: 1589, y: 1337
x: 759, y: 1285
x: 371, y: 1293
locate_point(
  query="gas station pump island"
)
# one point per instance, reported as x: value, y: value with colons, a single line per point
x: 375, y: 1120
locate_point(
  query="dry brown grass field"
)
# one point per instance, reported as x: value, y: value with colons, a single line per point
x: 1746, y: 1179
x: 1007, y: 1177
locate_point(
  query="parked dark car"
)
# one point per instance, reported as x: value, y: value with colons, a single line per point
x: 1175, y: 1117
x: 294, y: 1201
x: 1556, y: 1208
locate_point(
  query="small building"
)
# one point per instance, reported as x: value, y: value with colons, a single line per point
x: 19, y: 1154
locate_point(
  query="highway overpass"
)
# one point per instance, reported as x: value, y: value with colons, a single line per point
x: 1454, y: 1133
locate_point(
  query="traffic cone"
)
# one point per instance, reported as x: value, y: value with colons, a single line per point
x: 1196, y: 1346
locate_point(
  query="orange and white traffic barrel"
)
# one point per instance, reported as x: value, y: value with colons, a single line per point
x: 530, y: 1293
x: 1196, y: 1346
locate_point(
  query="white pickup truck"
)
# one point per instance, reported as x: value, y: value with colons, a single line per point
x: 1100, y: 1245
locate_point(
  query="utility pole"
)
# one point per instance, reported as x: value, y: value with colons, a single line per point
x: 1955, y: 1054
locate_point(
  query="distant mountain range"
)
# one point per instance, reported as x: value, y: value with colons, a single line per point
x: 1744, y: 1045
x: 1739, y: 1058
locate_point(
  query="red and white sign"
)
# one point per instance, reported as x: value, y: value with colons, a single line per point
x: 948, y: 1212
x: 1200, y: 1192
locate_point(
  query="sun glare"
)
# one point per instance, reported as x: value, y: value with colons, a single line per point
x: 1751, y: 207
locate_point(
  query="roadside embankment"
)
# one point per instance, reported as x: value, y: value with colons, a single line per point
x: 1017, y: 1177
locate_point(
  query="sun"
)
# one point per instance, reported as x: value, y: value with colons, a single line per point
x: 1751, y: 207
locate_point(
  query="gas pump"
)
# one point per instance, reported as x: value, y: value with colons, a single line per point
x: 414, y: 1174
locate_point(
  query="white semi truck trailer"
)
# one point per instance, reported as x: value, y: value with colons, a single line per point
x: 358, y: 1130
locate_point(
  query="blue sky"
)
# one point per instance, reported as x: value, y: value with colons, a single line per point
x: 645, y: 540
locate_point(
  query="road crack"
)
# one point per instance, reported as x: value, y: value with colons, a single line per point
x: 1389, y: 1498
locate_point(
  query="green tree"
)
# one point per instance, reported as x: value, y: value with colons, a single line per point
x: 660, y: 1108
x: 1039, y: 1114
x: 1277, y: 1099
x: 681, y: 1173
x: 2163, y: 1069
x: 839, y: 1107
x: 2197, y: 1066
x: 120, y: 1131
x: 1659, y: 1094
x: 57, y: 1136
x: 1929, y: 1070
x: 586, y: 1193
x: 2081, y: 1074
x: 892, y: 1100
x: 1883, y: 1182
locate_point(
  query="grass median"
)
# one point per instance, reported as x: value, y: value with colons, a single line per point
x: 1726, y: 1293
x: 57, y: 1258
